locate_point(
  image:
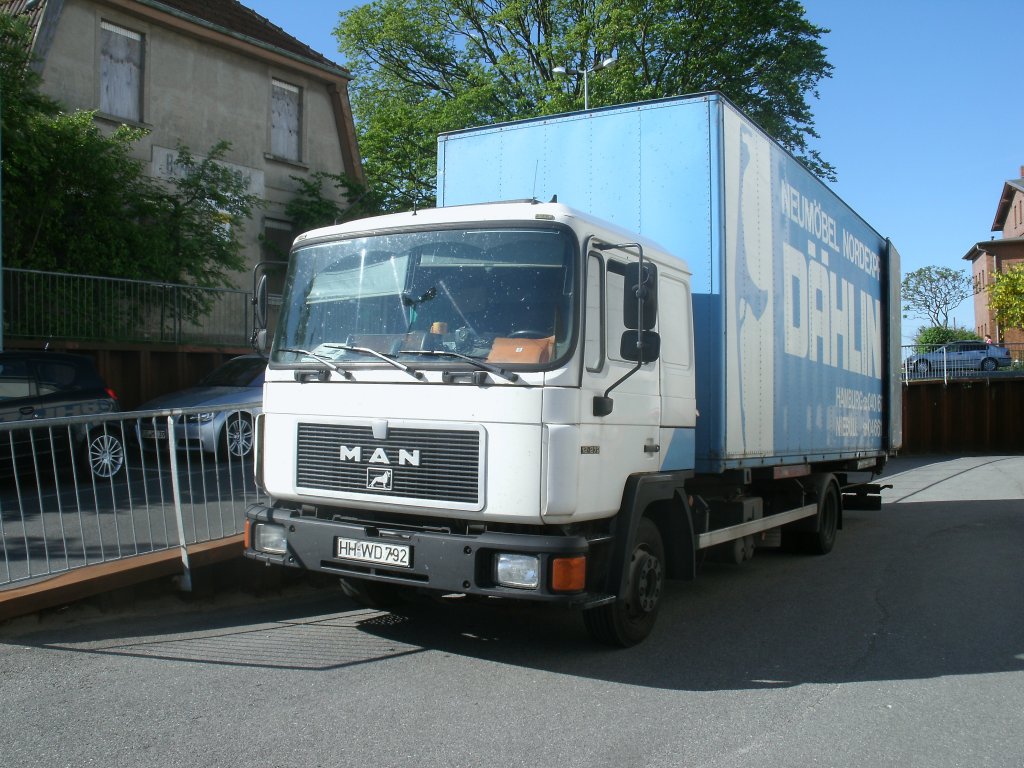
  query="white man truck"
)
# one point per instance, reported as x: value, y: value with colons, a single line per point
x: 572, y: 403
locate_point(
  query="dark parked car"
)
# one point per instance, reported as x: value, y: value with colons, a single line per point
x: 226, y: 430
x: 959, y: 356
x: 42, y: 385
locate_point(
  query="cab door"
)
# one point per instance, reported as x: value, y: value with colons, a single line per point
x: 626, y: 440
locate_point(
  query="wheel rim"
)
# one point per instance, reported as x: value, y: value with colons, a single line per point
x: 646, y: 578
x: 988, y: 365
x: 648, y: 585
x: 239, y: 436
x: 106, y: 455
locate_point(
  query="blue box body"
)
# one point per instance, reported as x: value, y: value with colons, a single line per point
x: 795, y: 297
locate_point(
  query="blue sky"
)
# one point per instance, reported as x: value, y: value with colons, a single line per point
x: 922, y: 116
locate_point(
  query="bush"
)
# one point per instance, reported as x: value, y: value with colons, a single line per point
x: 937, y: 334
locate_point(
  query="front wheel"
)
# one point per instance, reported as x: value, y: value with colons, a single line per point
x: 989, y: 364
x: 631, y: 618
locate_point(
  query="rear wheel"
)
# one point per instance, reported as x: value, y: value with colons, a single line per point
x: 820, y: 541
x: 631, y: 618
x: 923, y: 366
x: 103, y: 453
x: 237, y: 439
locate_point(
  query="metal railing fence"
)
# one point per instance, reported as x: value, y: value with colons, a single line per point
x: 53, y: 305
x: 61, y: 509
x: 968, y: 359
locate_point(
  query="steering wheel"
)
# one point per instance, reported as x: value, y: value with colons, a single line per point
x: 528, y: 333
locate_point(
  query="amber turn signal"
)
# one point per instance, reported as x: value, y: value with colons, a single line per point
x: 569, y: 574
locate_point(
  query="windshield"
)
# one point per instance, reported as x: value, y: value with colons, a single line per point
x: 500, y: 295
x: 237, y: 372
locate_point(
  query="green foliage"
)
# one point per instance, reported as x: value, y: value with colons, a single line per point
x: 76, y: 200
x: 208, y: 203
x: 428, y: 66
x: 934, y: 292
x: 1006, y: 298
x: 310, y: 208
x: 929, y: 337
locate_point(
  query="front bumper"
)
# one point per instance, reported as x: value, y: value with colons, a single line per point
x: 441, y: 560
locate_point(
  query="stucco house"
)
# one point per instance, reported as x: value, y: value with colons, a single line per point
x: 990, y: 257
x: 197, y: 72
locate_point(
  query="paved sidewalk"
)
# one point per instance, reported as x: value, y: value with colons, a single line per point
x: 953, y: 478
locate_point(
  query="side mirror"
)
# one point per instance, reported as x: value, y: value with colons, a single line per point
x: 260, y: 305
x: 637, y: 346
x: 261, y: 340
x: 640, y: 296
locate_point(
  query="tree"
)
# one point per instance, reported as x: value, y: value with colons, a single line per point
x: 428, y: 66
x: 1006, y: 297
x: 208, y: 203
x: 76, y: 200
x: 310, y: 208
x: 934, y: 292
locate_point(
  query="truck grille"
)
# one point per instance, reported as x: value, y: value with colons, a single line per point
x: 431, y: 464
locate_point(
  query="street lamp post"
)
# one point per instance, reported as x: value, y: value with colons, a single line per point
x: 602, y: 64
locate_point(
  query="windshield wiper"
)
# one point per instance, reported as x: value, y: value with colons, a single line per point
x: 496, y: 370
x: 325, y: 361
x: 380, y: 356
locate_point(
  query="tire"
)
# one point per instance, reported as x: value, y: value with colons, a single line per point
x: 631, y: 617
x: 237, y: 436
x: 989, y: 364
x: 103, y: 453
x: 923, y: 366
x: 373, y: 594
x: 820, y: 541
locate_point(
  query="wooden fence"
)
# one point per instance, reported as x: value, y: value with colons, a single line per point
x: 978, y: 415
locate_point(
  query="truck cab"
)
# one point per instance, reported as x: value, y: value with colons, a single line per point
x: 456, y: 398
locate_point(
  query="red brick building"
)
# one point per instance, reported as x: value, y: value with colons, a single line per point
x: 998, y: 255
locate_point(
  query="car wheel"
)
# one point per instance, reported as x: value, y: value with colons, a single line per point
x: 923, y: 366
x: 104, y: 453
x: 238, y: 435
x: 989, y: 364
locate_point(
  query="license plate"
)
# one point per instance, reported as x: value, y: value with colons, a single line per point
x: 158, y: 434
x: 375, y: 552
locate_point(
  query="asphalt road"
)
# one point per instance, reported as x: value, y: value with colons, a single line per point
x: 904, y: 647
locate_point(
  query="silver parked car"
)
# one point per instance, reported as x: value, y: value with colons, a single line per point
x: 225, y: 431
x: 958, y: 356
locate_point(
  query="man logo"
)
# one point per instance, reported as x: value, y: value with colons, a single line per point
x: 378, y: 479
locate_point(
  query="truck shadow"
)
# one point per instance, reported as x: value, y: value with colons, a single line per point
x: 914, y: 591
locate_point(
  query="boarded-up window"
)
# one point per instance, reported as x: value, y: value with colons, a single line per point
x: 120, y: 72
x: 285, y: 121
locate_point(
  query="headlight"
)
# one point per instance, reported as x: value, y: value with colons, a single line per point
x: 202, y: 418
x: 519, y: 571
x: 270, y: 538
